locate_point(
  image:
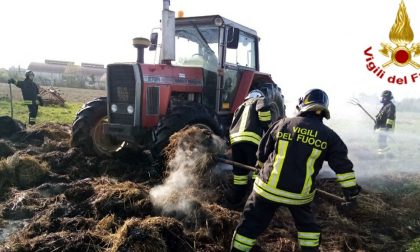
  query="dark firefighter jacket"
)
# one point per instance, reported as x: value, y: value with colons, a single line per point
x: 293, y: 151
x: 386, y: 116
x: 249, y: 122
x: 29, y: 91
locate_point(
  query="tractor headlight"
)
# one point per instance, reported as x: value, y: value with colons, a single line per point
x: 114, y: 108
x: 130, y: 109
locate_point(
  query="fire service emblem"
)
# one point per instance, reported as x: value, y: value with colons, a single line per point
x: 401, y: 35
x: 401, y: 52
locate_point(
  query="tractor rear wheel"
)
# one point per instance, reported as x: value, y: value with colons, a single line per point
x: 87, y: 130
x: 187, y: 114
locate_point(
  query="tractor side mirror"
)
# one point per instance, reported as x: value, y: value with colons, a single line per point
x: 153, y: 41
x: 232, y: 38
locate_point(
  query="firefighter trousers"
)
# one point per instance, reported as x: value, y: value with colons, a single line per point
x: 245, y: 153
x: 33, y: 112
x: 257, y: 215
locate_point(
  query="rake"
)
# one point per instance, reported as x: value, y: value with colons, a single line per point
x: 356, y: 102
x: 322, y: 193
x: 11, y: 100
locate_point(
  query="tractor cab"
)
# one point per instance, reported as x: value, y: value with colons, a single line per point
x: 222, y: 48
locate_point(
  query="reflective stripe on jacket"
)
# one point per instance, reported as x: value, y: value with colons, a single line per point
x: 293, y: 151
x: 249, y: 122
x: 386, y: 116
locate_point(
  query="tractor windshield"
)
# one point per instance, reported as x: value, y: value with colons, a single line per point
x: 197, y: 46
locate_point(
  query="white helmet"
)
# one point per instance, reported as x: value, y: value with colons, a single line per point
x: 254, y: 94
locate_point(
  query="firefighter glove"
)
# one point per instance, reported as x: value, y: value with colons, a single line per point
x: 11, y: 81
x: 39, y: 100
x: 350, y: 193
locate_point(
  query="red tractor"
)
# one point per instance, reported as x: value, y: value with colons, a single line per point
x: 208, y: 64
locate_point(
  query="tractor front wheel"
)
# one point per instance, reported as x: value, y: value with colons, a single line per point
x: 87, y: 130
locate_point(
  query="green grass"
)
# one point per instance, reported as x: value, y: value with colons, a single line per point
x: 65, y: 115
x: 414, y: 246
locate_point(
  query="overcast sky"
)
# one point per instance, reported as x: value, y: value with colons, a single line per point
x: 304, y: 43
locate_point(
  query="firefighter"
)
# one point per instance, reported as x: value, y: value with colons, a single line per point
x: 385, y: 121
x: 292, y: 153
x: 30, y: 94
x: 249, y: 122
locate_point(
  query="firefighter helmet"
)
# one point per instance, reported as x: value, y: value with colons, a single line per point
x: 29, y: 74
x: 254, y: 94
x: 386, y: 96
x: 314, y: 100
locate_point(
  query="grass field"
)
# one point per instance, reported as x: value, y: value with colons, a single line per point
x: 74, y: 97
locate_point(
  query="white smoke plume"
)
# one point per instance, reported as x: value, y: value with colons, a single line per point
x: 356, y: 130
x: 189, y: 171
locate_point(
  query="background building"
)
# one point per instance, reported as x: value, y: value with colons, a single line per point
x: 66, y: 73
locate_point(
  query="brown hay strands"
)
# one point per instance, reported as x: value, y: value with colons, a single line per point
x: 22, y: 171
x: 6, y: 149
x: 131, y: 237
x: 194, y: 144
x: 121, y: 198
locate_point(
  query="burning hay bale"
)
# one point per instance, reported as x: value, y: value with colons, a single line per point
x: 194, y: 148
x: 190, y: 157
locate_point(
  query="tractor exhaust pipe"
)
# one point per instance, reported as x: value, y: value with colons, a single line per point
x: 167, y: 53
x: 140, y: 44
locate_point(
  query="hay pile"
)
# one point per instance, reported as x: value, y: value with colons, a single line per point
x: 74, y: 202
x: 10, y: 126
x: 190, y: 177
x: 22, y: 171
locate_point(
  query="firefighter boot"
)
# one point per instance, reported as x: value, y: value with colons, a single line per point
x: 310, y: 249
x: 31, y: 120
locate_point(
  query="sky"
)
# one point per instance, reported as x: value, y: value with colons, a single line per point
x: 304, y: 43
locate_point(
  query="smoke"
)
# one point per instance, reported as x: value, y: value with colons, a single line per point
x: 190, y: 172
x: 356, y: 130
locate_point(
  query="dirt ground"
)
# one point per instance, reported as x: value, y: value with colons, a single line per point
x: 55, y: 198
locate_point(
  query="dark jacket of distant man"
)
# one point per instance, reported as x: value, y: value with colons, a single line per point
x: 30, y: 94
